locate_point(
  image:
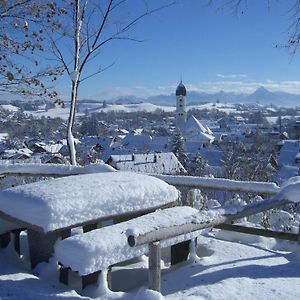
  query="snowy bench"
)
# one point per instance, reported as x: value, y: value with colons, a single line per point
x: 50, y: 209
x: 90, y: 253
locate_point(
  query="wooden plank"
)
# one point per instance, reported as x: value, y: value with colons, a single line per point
x: 15, y: 236
x: 154, y: 266
x: 22, y: 224
x: 259, y: 231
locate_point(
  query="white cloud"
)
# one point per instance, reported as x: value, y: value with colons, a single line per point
x: 236, y: 86
x: 231, y: 76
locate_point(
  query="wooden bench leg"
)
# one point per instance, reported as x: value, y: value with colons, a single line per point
x: 41, y: 246
x: 4, y: 239
x: 93, y: 278
x: 180, y: 252
x: 64, y: 275
x: 90, y: 279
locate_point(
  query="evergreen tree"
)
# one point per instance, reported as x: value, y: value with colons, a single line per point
x: 196, y: 164
x: 177, y: 147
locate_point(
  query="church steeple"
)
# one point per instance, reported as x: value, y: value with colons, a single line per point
x: 181, y: 103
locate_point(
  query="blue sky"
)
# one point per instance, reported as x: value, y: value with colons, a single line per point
x: 212, y: 48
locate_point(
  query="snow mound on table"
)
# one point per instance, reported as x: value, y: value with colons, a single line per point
x: 66, y: 201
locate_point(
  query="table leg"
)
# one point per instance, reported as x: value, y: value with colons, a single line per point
x: 41, y: 245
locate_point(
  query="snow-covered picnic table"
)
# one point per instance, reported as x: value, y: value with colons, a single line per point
x: 49, y: 209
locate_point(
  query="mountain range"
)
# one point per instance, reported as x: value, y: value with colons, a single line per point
x: 261, y: 96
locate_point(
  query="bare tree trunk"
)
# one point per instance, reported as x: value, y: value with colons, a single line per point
x: 75, y: 84
x: 70, y: 137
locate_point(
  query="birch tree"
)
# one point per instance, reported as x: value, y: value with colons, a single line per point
x: 88, y: 27
x: 22, y: 47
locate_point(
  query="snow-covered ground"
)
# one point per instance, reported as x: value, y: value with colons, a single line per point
x: 228, y: 266
x: 63, y: 113
x: 56, y: 112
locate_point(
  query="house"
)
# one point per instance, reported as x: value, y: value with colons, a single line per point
x: 16, y: 154
x: 151, y: 163
x: 196, y: 135
x: 289, y: 153
x: 37, y: 146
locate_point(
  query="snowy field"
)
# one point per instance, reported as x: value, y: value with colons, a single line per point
x: 228, y: 266
x: 63, y: 113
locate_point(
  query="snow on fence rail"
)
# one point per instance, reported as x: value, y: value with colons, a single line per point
x: 219, y: 216
x: 57, y: 170
x: 269, y: 188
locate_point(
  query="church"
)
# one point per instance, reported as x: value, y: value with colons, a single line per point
x: 196, y: 134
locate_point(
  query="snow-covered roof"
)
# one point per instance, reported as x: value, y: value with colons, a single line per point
x: 194, y: 130
x: 153, y: 163
x: 63, y: 202
x: 288, y: 152
x: 3, y: 136
x: 193, y: 123
x: 16, y: 153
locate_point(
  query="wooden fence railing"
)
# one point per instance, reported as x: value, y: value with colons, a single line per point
x: 219, y: 217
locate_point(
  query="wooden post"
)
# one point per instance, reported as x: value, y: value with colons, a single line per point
x: 109, y: 277
x: 90, y: 279
x: 15, y: 237
x: 154, y: 266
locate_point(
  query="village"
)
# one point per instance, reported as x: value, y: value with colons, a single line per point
x: 165, y: 140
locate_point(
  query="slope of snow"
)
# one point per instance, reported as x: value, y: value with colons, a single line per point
x: 265, y: 269
x: 137, y: 107
x: 57, y: 112
x: 230, y: 266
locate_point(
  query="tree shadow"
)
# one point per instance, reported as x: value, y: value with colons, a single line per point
x: 35, y: 289
x: 195, y: 275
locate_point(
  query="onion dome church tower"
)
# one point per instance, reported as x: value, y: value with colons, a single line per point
x: 181, y: 104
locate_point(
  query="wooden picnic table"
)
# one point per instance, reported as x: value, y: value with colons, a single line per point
x: 50, y: 209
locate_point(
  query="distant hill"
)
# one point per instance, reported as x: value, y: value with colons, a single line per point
x: 261, y: 96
